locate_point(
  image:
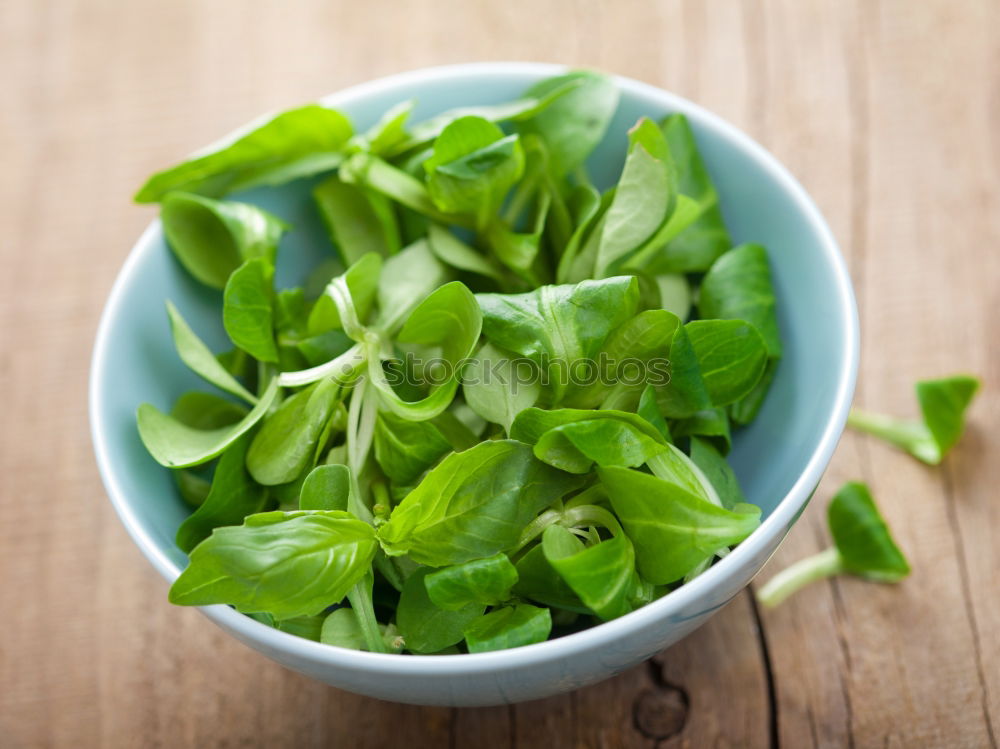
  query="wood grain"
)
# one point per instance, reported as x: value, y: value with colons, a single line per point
x: 886, y: 110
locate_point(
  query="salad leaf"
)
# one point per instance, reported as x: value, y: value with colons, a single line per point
x: 499, y: 388
x: 358, y: 220
x: 731, y: 355
x: 508, y: 627
x: 405, y: 449
x: 293, y: 144
x: 942, y: 407
x: 484, y: 581
x: 427, y: 628
x: 248, y: 309
x: 326, y: 487
x: 285, y: 564
x: 863, y: 547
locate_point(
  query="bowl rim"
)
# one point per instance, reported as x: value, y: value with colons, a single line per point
x: 566, y: 646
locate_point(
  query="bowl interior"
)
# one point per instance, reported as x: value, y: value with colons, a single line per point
x: 135, y: 361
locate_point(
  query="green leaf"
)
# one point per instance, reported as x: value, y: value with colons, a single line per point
x: 426, y: 628
x: 863, y: 547
x: 675, y: 294
x: 672, y: 529
x: 452, y: 251
x: 558, y: 327
x: 326, y: 487
x: 472, y: 167
x: 176, y: 445
x: 405, y: 449
x: 355, y: 289
x: 575, y: 447
x: 473, y: 504
x: 498, y: 388
x: 286, y: 564
x: 738, y: 287
x: 407, y: 279
x: 717, y: 471
x: 212, y: 238
x: 248, y: 309
x: 371, y: 172
x: 643, y: 201
x: 942, y: 405
x: 731, y: 356
x: 197, y: 356
x: 293, y: 144
x: 538, y: 581
x: 283, y: 447
x: 602, y: 575
x: 696, y: 234
x: 650, y: 411
x: 532, y: 423
x: 712, y: 424
x: 746, y: 409
x: 444, y: 327
x: 341, y: 628
x: 206, y: 410
x: 307, y: 627
x: 509, y: 627
x: 588, y: 208
x: 686, y: 394
x: 231, y: 498
x: 358, y: 220
x: 390, y: 130
x: 575, y: 123
x: 484, y: 581
x: 862, y: 538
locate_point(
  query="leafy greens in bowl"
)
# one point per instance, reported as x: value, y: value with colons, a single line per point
x: 490, y: 400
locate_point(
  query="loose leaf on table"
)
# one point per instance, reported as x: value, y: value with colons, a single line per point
x: 558, y: 327
x: 602, y: 575
x: 508, y: 627
x: 484, y: 581
x: 197, y: 356
x: 295, y: 143
x: 498, y: 388
x: 283, y: 447
x: 696, y: 235
x: 444, y: 328
x: 358, y: 220
x: 473, y: 504
x: 863, y: 547
x: 672, y: 529
x: 718, y: 471
x: 472, y: 167
x: 738, y: 287
x: 175, y: 445
x: 212, y: 238
x: 326, y: 487
x: 731, y: 355
x: 575, y: 123
x: 405, y: 449
x: 942, y: 407
x: 427, y: 628
x: 286, y: 564
x: 248, y: 309
x: 232, y: 496
x: 644, y: 198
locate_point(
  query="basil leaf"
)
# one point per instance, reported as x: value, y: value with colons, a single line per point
x: 498, y: 388
x: 326, y: 487
x: 212, y: 238
x: 558, y: 326
x: 473, y: 504
x: 197, y: 356
x: 231, y: 498
x: 405, y: 449
x: 602, y: 575
x: 176, y: 445
x: 283, y: 447
x: 575, y: 123
x: 426, y: 628
x: 248, y: 309
x: 731, y: 355
x: 285, y: 564
x: 358, y: 220
x: 672, y: 529
x: 446, y: 326
x: 484, y: 581
x: 942, y: 405
x: 293, y: 144
x: 509, y: 627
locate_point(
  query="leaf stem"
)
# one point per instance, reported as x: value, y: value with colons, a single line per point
x: 911, y: 436
x: 361, y: 603
x: 816, y: 567
x: 343, y: 368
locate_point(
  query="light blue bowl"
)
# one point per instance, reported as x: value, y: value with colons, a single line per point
x: 779, y: 459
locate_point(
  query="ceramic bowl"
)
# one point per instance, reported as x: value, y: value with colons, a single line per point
x: 779, y: 459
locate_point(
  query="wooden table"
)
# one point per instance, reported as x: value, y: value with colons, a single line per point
x: 889, y: 113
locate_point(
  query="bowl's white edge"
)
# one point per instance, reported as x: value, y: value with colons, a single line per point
x: 568, y: 645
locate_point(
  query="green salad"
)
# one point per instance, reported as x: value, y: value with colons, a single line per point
x: 500, y: 412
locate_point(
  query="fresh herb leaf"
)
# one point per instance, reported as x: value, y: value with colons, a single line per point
x: 405, y: 449
x: 248, y: 309
x: 326, y: 487
x: 427, y: 628
x: 509, y: 627
x: 499, y: 388
x: 358, y: 220
x: 484, y: 581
